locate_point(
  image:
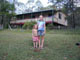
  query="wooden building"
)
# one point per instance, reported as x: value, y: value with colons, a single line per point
x: 50, y: 16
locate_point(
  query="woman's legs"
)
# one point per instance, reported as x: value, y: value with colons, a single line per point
x: 42, y: 41
x: 39, y: 41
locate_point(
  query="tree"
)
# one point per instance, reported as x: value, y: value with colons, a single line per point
x: 6, y: 12
x: 30, y: 6
x: 70, y: 10
x: 58, y: 3
x: 48, y: 7
x: 30, y: 1
x: 24, y: 8
x: 19, y: 7
x: 39, y: 5
x: 6, y: 7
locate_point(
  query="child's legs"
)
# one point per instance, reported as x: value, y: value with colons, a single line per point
x: 39, y: 40
x: 34, y: 43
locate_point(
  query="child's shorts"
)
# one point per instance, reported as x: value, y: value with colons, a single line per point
x: 35, y: 38
x: 41, y: 33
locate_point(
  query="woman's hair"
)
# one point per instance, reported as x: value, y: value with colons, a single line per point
x: 41, y: 16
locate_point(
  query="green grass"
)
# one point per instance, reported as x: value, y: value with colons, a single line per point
x: 59, y: 45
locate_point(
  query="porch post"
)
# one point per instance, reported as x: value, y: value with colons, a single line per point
x: 52, y: 16
x: 31, y: 17
x: 41, y: 13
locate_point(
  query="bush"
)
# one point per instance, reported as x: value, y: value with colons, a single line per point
x: 28, y: 25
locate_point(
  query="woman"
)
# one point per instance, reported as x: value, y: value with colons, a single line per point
x: 41, y: 30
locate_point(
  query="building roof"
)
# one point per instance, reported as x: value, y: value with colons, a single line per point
x: 49, y: 10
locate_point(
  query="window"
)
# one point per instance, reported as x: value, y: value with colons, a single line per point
x: 49, y: 15
x: 33, y: 16
x: 60, y: 15
x: 19, y: 17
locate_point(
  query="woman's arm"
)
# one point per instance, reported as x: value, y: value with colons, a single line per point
x: 45, y: 28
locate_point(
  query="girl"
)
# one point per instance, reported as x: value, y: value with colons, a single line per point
x: 35, y: 36
x: 41, y: 31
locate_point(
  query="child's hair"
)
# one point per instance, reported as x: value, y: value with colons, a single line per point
x: 34, y: 26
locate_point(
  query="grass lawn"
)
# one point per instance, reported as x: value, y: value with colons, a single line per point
x: 59, y: 45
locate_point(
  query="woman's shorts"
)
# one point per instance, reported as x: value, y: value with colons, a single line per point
x: 41, y: 33
x: 35, y: 38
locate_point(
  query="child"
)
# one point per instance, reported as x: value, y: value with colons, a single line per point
x: 35, y: 36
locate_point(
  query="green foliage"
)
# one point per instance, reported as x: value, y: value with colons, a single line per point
x: 68, y: 10
x: 6, y: 12
x: 6, y: 8
x: 48, y: 7
x: 30, y: 1
x: 28, y: 25
x: 39, y: 4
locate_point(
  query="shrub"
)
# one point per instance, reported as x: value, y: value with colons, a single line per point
x: 28, y: 25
